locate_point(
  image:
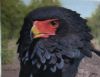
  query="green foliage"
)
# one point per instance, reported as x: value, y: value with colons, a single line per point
x: 7, y: 56
x: 12, y: 16
x: 94, y: 23
x: 8, y: 48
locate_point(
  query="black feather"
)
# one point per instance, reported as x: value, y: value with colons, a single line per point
x: 53, y: 56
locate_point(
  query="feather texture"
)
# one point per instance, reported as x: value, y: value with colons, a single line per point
x: 53, y: 56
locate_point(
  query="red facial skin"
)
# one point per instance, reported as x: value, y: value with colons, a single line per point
x: 46, y: 27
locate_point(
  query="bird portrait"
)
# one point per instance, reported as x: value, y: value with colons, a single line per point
x: 53, y: 41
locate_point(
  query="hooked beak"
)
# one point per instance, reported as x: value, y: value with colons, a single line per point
x: 44, y: 29
x: 37, y: 34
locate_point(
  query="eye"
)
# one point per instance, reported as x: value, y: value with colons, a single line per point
x: 54, y: 23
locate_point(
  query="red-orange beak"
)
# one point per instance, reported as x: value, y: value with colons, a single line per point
x: 43, y: 29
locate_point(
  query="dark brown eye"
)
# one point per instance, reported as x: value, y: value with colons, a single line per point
x: 54, y: 23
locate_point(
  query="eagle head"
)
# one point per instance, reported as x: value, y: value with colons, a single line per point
x: 51, y: 39
x: 44, y: 28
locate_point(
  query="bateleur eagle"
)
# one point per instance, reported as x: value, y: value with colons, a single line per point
x: 53, y: 40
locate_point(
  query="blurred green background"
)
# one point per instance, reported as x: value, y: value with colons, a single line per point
x: 12, y: 16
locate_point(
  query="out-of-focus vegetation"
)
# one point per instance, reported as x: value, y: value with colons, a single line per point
x: 94, y: 23
x: 12, y: 16
x: 12, y: 13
